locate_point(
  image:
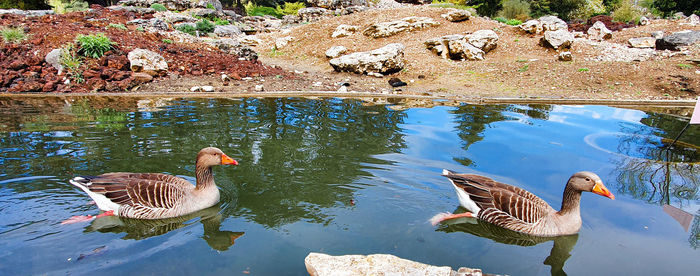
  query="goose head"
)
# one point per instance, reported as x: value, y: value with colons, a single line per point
x: 212, y: 156
x: 589, y: 182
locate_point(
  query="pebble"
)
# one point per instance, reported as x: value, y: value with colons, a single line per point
x: 259, y: 88
x: 343, y: 89
x: 375, y: 74
x: 208, y: 88
x: 247, y: 78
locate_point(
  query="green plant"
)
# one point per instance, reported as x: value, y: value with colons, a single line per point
x: 94, y: 45
x: 140, y: 29
x: 583, y: 69
x: 501, y: 19
x: 684, y: 66
x: 210, y: 6
x: 255, y: 10
x: 70, y: 60
x: 515, y: 9
x: 219, y: 21
x: 167, y: 41
x: 158, y: 7
x: 514, y: 22
x: 521, y: 60
x: 12, y: 35
x: 116, y: 26
x: 64, y: 6
x: 290, y: 8
x: 188, y: 29
x: 205, y: 26
x: 524, y: 68
x: 626, y: 12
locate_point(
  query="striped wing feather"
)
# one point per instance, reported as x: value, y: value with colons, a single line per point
x: 146, y: 190
x: 511, y: 201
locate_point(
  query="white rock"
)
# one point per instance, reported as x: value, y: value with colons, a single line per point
x: 259, y: 88
x: 283, y: 41
x: 441, y: 47
x: 227, y: 31
x: 553, y: 23
x: 146, y: 61
x: 344, y: 30
x: 644, y: 21
x: 559, y: 39
x: 599, y: 32
x: 387, y: 59
x: 532, y: 26
x: 208, y: 88
x: 249, y: 40
x: 457, y: 15
x: 693, y: 20
x: 483, y: 39
x: 54, y: 59
x: 343, y: 89
x: 336, y: 51
x: 465, y: 50
x: 642, y: 42
x: 385, y: 29
x: 195, y: 89
x: 657, y: 34
x: 318, y: 264
x: 565, y: 56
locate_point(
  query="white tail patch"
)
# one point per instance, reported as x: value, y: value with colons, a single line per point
x: 439, y: 218
x: 101, y: 201
x: 446, y: 172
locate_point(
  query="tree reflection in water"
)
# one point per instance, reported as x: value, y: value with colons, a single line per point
x: 650, y: 170
x: 138, y: 229
x: 561, y: 248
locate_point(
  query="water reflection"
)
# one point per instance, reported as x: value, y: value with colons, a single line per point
x: 137, y: 229
x: 561, y: 247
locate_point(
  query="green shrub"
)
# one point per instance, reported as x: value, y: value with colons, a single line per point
x: 501, y: 19
x: 167, y: 41
x: 12, y: 35
x: 205, y: 26
x: 140, y: 29
x: 515, y: 9
x: 255, y: 10
x: 188, y: 29
x: 219, y: 21
x: 290, y: 8
x: 116, y: 26
x: 70, y: 60
x: 626, y: 12
x: 94, y: 45
x: 210, y: 6
x: 158, y: 7
x: 514, y: 22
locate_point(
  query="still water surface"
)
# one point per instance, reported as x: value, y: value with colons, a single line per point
x: 342, y: 177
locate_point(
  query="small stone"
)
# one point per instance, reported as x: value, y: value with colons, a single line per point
x: 208, y: 88
x: 396, y: 82
x: 375, y: 74
x: 317, y: 84
x: 565, y: 56
x: 657, y: 34
x: 343, y: 89
x: 259, y: 88
x: 195, y: 88
x: 53, y: 58
x: 644, y: 21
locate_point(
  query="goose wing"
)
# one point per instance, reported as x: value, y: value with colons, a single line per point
x: 150, y: 190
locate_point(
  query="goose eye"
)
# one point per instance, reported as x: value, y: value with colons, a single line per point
x: 588, y: 179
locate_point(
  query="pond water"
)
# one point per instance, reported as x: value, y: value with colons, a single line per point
x: 339, y: 176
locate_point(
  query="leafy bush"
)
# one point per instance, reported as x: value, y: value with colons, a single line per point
x: 668, y: 7
x: 589, y: 9
x: 12, y: 35
x: 64, y: 6
x: 219, y: 21
x: 501, y: 19
x: 290, y: 8
x: 255, y: 10
x: 70, y: 60
x: 560, y: 8
x: 626, y: 12
x: 514, y: 22
x: 515, y: 9
x: 167, y: 41
x: 94, y: 45
x: 188, y: 29
x: 205, y: 26
x: 158, y: 7
x: 210, y: 6
x: 116, y: 26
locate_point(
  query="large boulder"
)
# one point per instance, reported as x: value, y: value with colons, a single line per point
x: 227, y: 31
x: 313, y: 14
x: 318, y: 264
x: 678, y: 39
x: 233, y: 46
x: 457, y: 15
x: 558, y: 40
x: 486, y: 40
x: 344, y: 30
x: 385, y: 60
x: 599, y: 32
x: 553, y: 23
x: 146, y: 61
x: 385, y: 29
x: 642, y: 42
x: 470, y: 47
x: 532, y: 26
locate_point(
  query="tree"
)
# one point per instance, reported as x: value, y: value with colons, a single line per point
x: 487, y: 7
x: 669, y: 7
x: 24, y: 4
x: 560, y: 8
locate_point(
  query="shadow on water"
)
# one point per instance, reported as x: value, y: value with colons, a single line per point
x: 136, y: 229
x: 561, y: 247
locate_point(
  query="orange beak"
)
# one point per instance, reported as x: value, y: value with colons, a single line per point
x: 225, y: 160
x: 600, y: 189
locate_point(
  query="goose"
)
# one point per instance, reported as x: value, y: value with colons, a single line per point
x: 518, y: 210
x: 155, y: 195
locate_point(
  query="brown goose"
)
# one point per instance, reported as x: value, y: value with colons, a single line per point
x: 156, y: 195
x: 519, y: 210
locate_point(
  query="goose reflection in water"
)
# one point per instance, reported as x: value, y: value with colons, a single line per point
x: 560, y: 253
x: 138, y: 229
